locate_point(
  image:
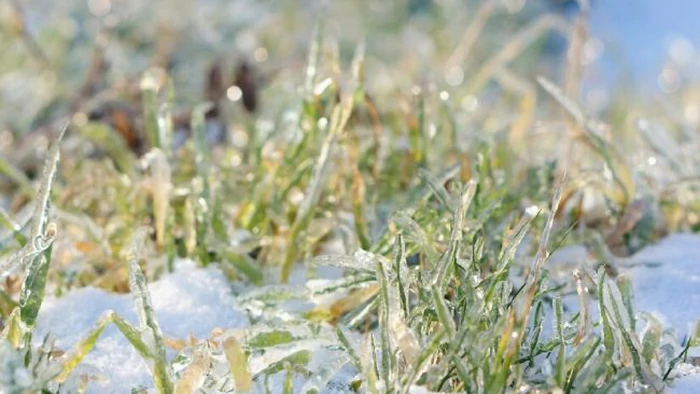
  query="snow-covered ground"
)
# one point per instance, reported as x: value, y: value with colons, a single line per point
x: 666, y: 283
x: 193, y: 301
x: 666, y: 279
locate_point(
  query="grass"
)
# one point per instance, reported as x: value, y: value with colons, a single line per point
x: 446, y: 201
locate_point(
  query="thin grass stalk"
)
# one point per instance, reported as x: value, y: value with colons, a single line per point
x: 341, y: 114
x: 584, y: 314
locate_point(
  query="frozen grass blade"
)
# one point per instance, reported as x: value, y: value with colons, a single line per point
x: 448, y: 259
x: 150, y: 85
x: 629, y: 338
x: 387, y: 358
x: 238, y: 365
x: 358, y: 211
x: 682, y: 356
x: 160, y: 191
x: 148, y: 326
x: 71, y: 359
x: 341, y: 114
x: 243, y: 264
x: 401, y: 272
x: 513, y: 240
x: 361, y: 261
x: 561, y: 352
x: 14, y: 331
x: 319, y: 381
x: 583, y: 305
x: 35, y: 255
x: 583, y: 355
x: 413, y: 232
x: 135, y: 337
x: 443, y: 314
x: 438, y: 189
x: 432, y: 347
x: 651, y: 340
x: 202, y: 204
x: 541, y: 255
x: 288, y: 387
x: 370, y: 370
x: 607, y: 329
x: 349, y: 349
x: 624, y: 284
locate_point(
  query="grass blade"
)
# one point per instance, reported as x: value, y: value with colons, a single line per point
x: 238, y: 365
x: 148, y: 325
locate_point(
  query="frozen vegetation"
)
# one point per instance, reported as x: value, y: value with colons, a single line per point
x: 350, y: 197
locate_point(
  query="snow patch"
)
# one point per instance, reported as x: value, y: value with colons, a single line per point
x: 190, y: 301
x: 666, y: 281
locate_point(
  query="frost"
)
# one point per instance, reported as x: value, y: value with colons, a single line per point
x: 361, y: 260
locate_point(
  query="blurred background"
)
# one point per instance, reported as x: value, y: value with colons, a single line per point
x: 631, y: 44
x: 439, y: 84
x: 474, y: 64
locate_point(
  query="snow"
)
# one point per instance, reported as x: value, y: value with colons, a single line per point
x: 190, y: 301
x: 688, y: 381
x: 666, y: 281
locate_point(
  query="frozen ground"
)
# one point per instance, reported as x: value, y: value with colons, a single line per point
x: 666, y: 280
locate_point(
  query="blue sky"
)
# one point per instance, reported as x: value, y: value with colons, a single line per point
x: 639, y: 30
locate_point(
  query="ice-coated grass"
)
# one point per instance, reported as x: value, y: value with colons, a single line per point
x: 382, y: 222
